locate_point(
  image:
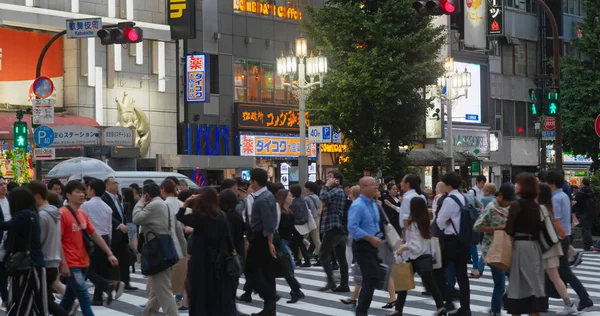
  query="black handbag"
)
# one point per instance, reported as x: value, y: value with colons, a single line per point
x: 422, y: 264
x: 20, y: 262
x: 233, y: 261
x: 88, y: 242
x: 159, y: 253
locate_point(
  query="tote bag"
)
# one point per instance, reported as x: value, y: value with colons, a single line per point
x: 404, y: 276
x: 500, y: 254
x: 391, y: 235
x: 436, y: 252
x: 549, y: 235
x: 159, y: 253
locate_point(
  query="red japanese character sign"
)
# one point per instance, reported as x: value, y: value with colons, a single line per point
x: 197, y: 80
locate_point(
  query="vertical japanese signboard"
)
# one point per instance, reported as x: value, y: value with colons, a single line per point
x: 197, y: 78
x: 181, y: 16
x: 495, y: 17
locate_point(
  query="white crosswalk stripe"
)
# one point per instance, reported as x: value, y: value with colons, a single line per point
x: 321, y: 304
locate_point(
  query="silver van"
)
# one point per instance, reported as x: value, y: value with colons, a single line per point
x: 126, y: 178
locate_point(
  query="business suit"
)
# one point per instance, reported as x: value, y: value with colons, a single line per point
x: 119, y: 241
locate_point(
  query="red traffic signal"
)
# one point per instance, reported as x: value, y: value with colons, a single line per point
x: 121, y: 35
x: 437, y: 7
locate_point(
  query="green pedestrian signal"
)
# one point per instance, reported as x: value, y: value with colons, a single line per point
x: 20, y: 134
x: 553, y: 102
x: 534, y: 106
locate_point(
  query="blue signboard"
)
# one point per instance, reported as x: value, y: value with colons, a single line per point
x: 197, y: 71
x: 472, y: 117
x: 43, y: 136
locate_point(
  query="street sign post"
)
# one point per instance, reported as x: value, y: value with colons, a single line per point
x: 549, y: 123
x: 43, y: 136
x: 43, y: 87
x: 43, y: 111
x: 44, y: 153
x: 320, y: 134
x: 83, y: 28
x: 549, y: 135
x: 117, y: 136
x: 75, y: 135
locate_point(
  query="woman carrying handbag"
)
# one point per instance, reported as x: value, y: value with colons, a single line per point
x: 418, y: 250
x: 24, y: 259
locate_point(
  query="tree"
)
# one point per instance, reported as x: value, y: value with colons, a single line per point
x: 381, y: 55
x: 580, y: 88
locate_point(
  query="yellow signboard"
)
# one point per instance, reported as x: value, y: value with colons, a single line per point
x: 334, y: 148
x: 273, y: 146
x: 267, y: 9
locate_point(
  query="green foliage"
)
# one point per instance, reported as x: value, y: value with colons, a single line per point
x: 380, y: 55
x: 580, y: 89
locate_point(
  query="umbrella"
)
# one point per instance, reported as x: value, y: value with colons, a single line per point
x: 77, y: 168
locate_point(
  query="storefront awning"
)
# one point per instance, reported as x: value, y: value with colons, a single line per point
x: 432, y: 157
x: 8, y: 118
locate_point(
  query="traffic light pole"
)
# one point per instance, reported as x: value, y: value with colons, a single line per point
x: 556, y: 78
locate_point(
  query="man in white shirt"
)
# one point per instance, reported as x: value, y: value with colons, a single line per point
x: 5, y: 213
x: 100, y: 214
x: 477, y: 190
x: 448, y: 220
x: 411, y: 185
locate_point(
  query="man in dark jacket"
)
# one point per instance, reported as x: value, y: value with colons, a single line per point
x: 586, y: 212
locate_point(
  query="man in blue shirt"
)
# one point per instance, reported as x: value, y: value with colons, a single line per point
x: 561, y: 206
x: 365, y: 230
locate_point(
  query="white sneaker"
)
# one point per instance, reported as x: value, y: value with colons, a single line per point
x: 74, y: 308
x: 569, y: 310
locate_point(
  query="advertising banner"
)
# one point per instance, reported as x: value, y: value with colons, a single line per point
x: 273, y: 146
x: 495, y: 17
x: 181, y: 16
x: 197, y: 78
x: 19, y: 52
x: 475, y: 33
x: 281, y: 118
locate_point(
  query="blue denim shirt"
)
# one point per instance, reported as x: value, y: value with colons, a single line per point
x: 363, y: 218
x: 561, y: 206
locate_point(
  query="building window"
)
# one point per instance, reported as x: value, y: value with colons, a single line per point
x: 239, y: 77
x: 266, y: 73
x: 507, y: 60
x: 214, y: 74
x: 521, y: 119
x: 253, y: 81
x: 532, y: 63
x: 508, y: 118
x: 520, y: 59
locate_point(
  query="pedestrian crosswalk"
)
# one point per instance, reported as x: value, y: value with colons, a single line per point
x: 321, y: 304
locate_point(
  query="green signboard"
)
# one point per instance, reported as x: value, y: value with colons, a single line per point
x: 475, y: 168
x: 581, y: 173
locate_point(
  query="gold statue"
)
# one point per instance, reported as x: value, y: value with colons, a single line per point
x: 135, y: 119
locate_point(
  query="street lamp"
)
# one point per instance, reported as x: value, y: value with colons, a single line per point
x: 452, y: 80
x: 288, y: 66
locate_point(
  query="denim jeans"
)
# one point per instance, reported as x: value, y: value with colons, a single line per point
x: 499, y: 278
x: 450, y: 278
x: 286, y: 247
x: 76, y: 289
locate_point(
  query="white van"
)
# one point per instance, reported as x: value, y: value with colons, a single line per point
x: 126, y: 178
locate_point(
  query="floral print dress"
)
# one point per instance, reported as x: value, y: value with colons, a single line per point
x: 493, y: 215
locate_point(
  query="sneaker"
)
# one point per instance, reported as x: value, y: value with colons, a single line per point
x: 119, y: 290
x: 569, y: 310
x: 578, y: 259
x: 583, y: 305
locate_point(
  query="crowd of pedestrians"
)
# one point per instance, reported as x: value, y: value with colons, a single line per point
x: 55, y: 240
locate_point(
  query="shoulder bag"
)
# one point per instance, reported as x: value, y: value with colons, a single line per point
x: 159, y: 253
x: 391, y: 235
x: 549, y: 235
x: 87, y: 239
x: 20, y: 262
x: 234, y: 265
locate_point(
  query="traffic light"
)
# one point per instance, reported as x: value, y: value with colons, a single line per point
x: 437, y: 7
x: 553, y: 102
x: 20, y: 134
x: 535, y: 106
x: 123, y: 33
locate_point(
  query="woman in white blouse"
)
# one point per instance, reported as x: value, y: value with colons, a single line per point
x: 418, y: 248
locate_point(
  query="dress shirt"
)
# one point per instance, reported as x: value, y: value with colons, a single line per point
x: 478, y: 193
x: 250, y: 198
x: 363, y: 218
x: 265, y: 217
x: 450, y: 210
x: 404, y: 208
x: 416, y: 244
x: 561, y: 206
x: 334, y: 203
x: 100, y: 214
x: 117, y: 204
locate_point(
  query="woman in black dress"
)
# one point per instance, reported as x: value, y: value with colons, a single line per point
x: 212, y: 289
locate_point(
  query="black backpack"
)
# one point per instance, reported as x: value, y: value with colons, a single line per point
x: 468, y: 216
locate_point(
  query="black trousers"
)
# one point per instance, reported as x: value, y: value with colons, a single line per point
x: 567, y: 275
x: 429, y: 284
x: 334, y: 240
x: 3, y: 283
x: 298, y: 244
x: 53, y: 308
x: 454, y: 252
x: 121, y: 251
x: 258, y: 264
x: 99, y: 272
x: 365, y: 256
